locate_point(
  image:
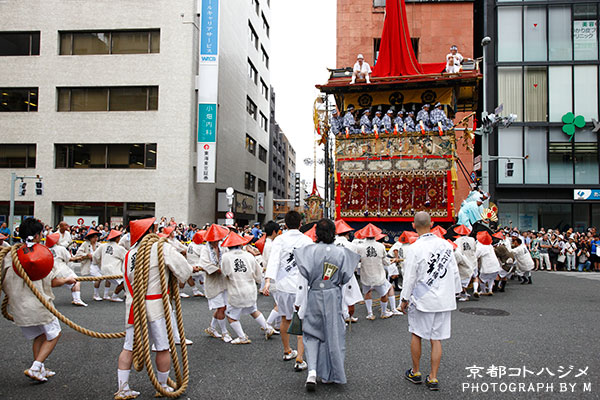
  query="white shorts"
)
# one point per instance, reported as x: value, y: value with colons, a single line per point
x: 235, y: 312
x: 351, y: 292
x: 392, y: 270
x: 503, y: 273
x: 488, y: 277
x: 429, y: 325
x: 95, y: 270
x: 381, y: 290
x: 218, y: 301
x: 157, y: 331
x: 285, y: 304
x: 51, y: 330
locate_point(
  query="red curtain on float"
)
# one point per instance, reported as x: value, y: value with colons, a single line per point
x: 396, y: 54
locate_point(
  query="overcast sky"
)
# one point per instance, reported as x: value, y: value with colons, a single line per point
x: 303, y: 43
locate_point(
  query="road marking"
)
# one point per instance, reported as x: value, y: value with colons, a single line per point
x: 594, y: 276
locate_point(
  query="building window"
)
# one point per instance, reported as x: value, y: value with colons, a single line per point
x: 256, y: 6
x: 251, y: 107
x: 265, y: 57
x: 110, y: 42
x: 18, y: 99
x: 264, y: 124
x: 252, y: 73
x: 250, y: 145
x: 262, y: 186
x: 510, y: 143
x: 124, y: 98
x: 378, y: 3
x: 19, y: 43
x: 266, y: 27
x: 510, y: 34
x: 262, y: 154
x: 113, y: 156
x: 585, y: 31
x: 17, y: 155
x: 253, y: 36
x: 264, y: 89
x: 536, y: 147
x: 250, y: 182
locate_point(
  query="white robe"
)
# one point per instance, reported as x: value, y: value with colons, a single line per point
x: 487, y: 260
x: 242, y: 273
x: 373, y: 260
x: 61, y: 261
x: 282, y: 267
x: 351, y: 292
x: 109, y: 257
x: 523, y: 257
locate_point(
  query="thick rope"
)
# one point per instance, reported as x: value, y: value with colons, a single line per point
x: 141, y: 350
x: 45, y: 302
x: 97, y: 278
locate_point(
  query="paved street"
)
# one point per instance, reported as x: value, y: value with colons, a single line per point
x: 551, y: 324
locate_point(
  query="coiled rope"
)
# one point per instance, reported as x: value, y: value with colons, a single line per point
x: 141, y: 349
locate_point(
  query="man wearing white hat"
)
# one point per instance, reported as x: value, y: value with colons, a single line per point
x: 454, y: 60
x: 361, y: 70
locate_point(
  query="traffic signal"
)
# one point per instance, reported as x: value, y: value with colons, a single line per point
x: 297, y: 190
x: 510, y: 168
x: 39, y: 188
x: 22, y: 188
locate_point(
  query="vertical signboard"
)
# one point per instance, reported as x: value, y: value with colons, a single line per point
x: 208, y: 85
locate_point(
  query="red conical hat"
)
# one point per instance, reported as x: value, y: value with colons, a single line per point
x: 167, y: 231
x: 438, y: 231
x: 234, y: 240
x: 406, y: 235
x: 380, y: 236
x: 113, y: 234
x: 199, y: 237
x: 52, y: 239
x: 462, y: 230
x: 454, y: 245
x: 37, y: 262
x: 369, y: 231
x: 484, y: 238
x: 342, y: 227
x: 260, y: 243
x: 312, y: 233
x: 138, y: 227
x: 499, y: 235
x: 216, y: 233
x: 91, y: 232
x: 412, y: 239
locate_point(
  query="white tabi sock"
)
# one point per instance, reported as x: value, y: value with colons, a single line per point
x: 346, y: 312
x: 162, y: 377
x: 106, y: 290
x: 214, y: 324
x: 261, y: 321
x: 222, y: 325
x: 369, y: 304
x: 272, y: 317
x: 475, y: 287
x: 392, y: 300
x: 237, y: 327
x: 123, y: 377
x: 383, y: 307
x: 96, y: 291
x: 37, y: 366
x: 76, y: 296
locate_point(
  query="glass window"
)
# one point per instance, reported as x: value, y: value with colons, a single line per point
x: 266, y: 27
x: 510, y: 34
x: 555, y: 216
x: 510, y: 143
x: 18, y: 99
x: 586, y: 162
x: 110, y: 42
x: 585, y: 32
x: 250, y: 145
x: 19, y: 44
x: 253, y: 36
x: 262, y: 154
x: 17, y: 155
x: 560, y: 82
x: 264, y: 122
x: 535, y: 33
x: 536, y: 94
x: 560, y: 160
x: 264, y: 89
x: 510, y: 90
x: 265, y: 57
x: 378, y: 3
x: 250, y: 182
x: 252, y: 73
x: 128, y: 99
x: 85, y: 43
x: 536, y: 165
x: 128, y: 156
x: 251, y: 108
x: 559, y: 33
x: 586, y: 91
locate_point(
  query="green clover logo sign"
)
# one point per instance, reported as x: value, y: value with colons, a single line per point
x: 571, y: 121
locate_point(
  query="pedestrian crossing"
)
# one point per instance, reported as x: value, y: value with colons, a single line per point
x: 594, y: 276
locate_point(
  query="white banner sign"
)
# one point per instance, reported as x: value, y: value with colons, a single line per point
x: 80, y: 220
x: 207, y: 162
x: 260, y: 202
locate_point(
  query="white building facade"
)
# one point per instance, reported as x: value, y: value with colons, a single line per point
x: 99, y: 99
